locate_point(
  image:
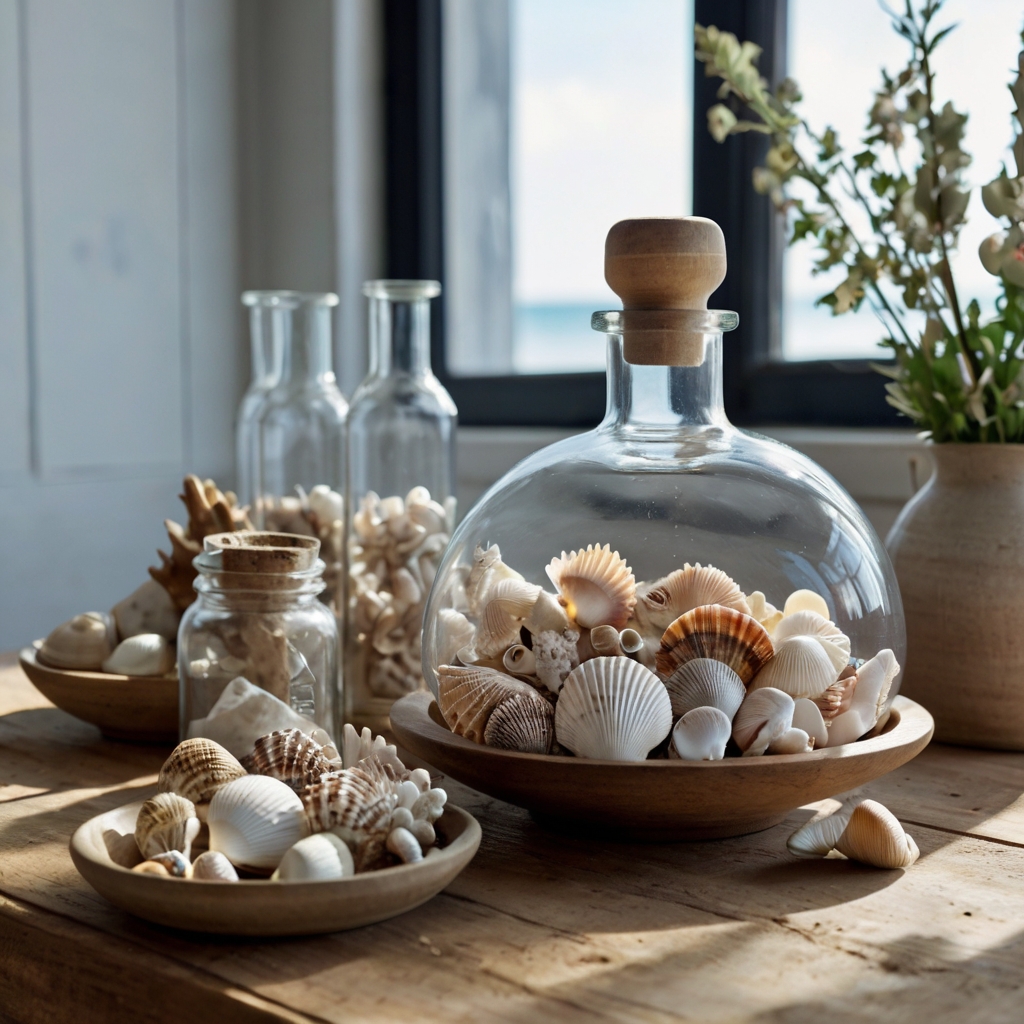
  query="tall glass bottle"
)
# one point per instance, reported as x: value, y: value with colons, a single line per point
x: 300, y: 433
x: 401, y: 486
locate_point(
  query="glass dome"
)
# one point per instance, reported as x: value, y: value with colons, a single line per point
x: 665, y: 480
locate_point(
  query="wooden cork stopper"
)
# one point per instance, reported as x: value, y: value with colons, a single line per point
x: 669, y: 263
x: 258, y: 551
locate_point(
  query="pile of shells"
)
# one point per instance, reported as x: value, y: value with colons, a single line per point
x: 394, y: 551
x: 293, y: 809
x: 687, y: 666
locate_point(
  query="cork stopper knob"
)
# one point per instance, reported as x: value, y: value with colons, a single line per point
x: 664, y: 264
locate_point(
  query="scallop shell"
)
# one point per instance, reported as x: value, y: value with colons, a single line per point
x: 801, y: 667
x: 254, y: 821
x: 197, y: 768
x: 523, y: 722
x: 596, y: 585
x: 358, y: 799
x: 519, y: 660
x: 701, y: 734
x: 664, y: 600
x: 764, y: 716
x: 467, y: 696
x: 487, y: 569
x: 83, y: 642
x: 318, y: 858
x: 145, y: 654
x: 818, y: 837
x: 807, y: 716
x: 507, y: 606
x: 805, y: 601
x: 714, y: 631
x: 166, y: 822
x: 874, y: 836
x: 612, y: 709
x: 704, y: 682
x: 874, y: 680
x: 828, y: 634
x: 453, y: 632
x: 290, y: 756
x: 213, y: 866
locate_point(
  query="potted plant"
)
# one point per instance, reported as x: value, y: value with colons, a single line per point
x: 958, y: 545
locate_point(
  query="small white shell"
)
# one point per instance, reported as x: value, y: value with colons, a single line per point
x: 807, y: 716
x: 254, y: 821
x: 819, y: 835
x: 83, y: 642
x: 145, y: 654
x: 808, y: 623
x: 327, y: 505
x: 319, y: 858
x: 213, y: 866
x: 792, y: 741
x: 805, y: 601
x: 701, y: 735
x: 404, y: 845
x: 874, y: 836
x: 801, y: 667
x: 605, y: 641
x: 874, y: 680
x: 764, y: 716
x: 596, y: 584
x: 612, y: 709
x: 704, y: 682
x: 632, y: 642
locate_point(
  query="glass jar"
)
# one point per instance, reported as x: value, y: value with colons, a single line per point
x: 300, y: 432
x: 257, y: 649
x: 401, y: 485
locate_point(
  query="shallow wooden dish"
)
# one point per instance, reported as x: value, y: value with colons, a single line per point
x: 139, y: 708
x: 265, y: 908
x: 659, y: 800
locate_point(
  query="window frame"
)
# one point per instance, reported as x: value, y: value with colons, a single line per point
x: 759, y: 389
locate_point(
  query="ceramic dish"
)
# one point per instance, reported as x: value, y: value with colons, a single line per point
x: 659, y: 799
x: 265, y: 908
x: 143, y: 709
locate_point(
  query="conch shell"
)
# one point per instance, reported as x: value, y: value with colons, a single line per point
x: 818, y: 837
x: 596, y: 585
x: 714, y: 631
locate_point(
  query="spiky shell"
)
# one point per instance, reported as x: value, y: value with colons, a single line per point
x: 506, y: 607
x: 596, y: 584
x: 83, y: 642
x: 874, y: 836
x: 357, y: 799
x: 807, y: 716
x: 664, y: 600
x: 613, y: 709
x: 801, y: 667
x: 523, y: 722
x: 197, y: 768
x: 701, y: 734
x: 320, y: 857
x: 874, y: 680
x: 714, y: 631
x: 468, y: 695
x: 290, y: 756
x: 704, y: 682
x: 828, y: 634
x: 253, y: 821
x: 145, y: 654
x: 764, y: 716
x: 805, y: 601
x: 213, y: 866
x: 818, y: 837
x: 166, y: 822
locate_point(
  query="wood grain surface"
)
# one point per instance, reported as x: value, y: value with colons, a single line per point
x: 539, y: 927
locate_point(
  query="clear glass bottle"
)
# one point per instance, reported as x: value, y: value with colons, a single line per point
x: 257, y: 649
x: 300, y: 432
x: 401, y: 486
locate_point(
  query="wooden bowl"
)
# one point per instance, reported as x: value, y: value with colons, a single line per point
x: 139, y: 708
x: 659, y: 800
x: 262, y: 907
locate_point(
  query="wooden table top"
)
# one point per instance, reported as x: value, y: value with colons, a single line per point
x: 539, y: 927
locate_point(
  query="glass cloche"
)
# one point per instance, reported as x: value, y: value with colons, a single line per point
x: 665, y: 584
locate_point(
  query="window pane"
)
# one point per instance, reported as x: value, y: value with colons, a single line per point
x: 836, y: 56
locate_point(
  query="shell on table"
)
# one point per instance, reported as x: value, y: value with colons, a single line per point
x: 818, y: 837
x: 874, y: 681
x: 254, y: 820
x: 800, y: 667
x: 827, y: 633
x: 704, y: 682
x: 358, y: 799
x: 468, y: 695
x: 523, y: 722
x: 506, y: 607
x: 714, y: 631
x: 612, y: 709
x: 805, y: 601
x: 317, y: 858
x: 213, y: 866
x: 145, y: 654
x: 764, y: 716
x: 808, y: 717
x: 874, y: 836
x: 290, y: 756
x: 701, y: 735
x: 596, y: 585
x: 662, y: 602
x: 83, y: 643
x: 166, y: 822
x: 197, y: 768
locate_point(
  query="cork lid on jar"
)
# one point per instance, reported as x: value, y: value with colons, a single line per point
x: 259, y: 551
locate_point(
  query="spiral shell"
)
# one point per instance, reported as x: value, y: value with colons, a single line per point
x: 704, y: 682
x: 801, y: 667
x: 596, y: 584
x: 506, y: 608
x: 197, y: 768
x: 467, y: 696
x: 84, y: 642
x: 290, y: 756
x: 818, y: 837
x: 714, y: 631
x: 662, y: 602
x: 701, y: 735
x: 166, y: 822
x: 522, y: 722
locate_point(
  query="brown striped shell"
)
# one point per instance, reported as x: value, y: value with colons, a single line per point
x: 468, y: 695
x: 197, y: 768
x: 290, y: 756
x: 166, y: 822
x: 523, y: 722
x: 356, y: 799
x: 714, y: 631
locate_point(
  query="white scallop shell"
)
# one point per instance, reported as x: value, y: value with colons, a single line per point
x: 764, y: 716
x: 831, y: 637
x: 166, y: 822
x: 145, y: 654
x: 612, y: 709
x: 213, y: 866
x: 807, y: 716
x: 662, y: 602
x: 805, y: 601
x: 874, y: 680
x: 800, y: 667
x: 818, y: 837
x: 704, y: 682
x: 254, y: 821
x: 318, y: 858
x: 83, y: 642
x: 701, y: 734
x: 596, y: 584
x: 874, y: 836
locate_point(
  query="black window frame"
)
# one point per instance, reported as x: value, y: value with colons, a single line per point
x: 759, y: 390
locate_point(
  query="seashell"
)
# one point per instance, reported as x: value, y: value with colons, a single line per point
x: 145, y: 654
x: 404, y: 845
x: 766, y: 613
x: 519, y: 660
x: 874, y: 680
x: 547, y: 614
x: 166, y: 822
x: 764, y: 716
x: 829, y: 635
x: 701, y: 734
x: 327, y: 505
x: 523, y: 722
x: 818, y: 837
x: 197, y: 768
x: 254, y: 821
x: 213, y: 866
x: 318, y: 858
x: 424, y: 833
x: 487, y: 569
x: 704, y: 682
x: 453, y: 632
x: 357, y: 747
x: 806, y: 601
x: 838, y: 697
x: 874, y: 836
x: 467, y: 696
x: 83, y: 642
x: 807, y: 716
x: 714, y: 631
x: 664, y: 600
x: 151, y: 867
x: 358, y: 799
x: 792, y: 741
x: 597, y: 586
x: 801, y: 667
x: 290, y: 756
x: 174, y: 862
x: 148, y: 609
x: 507, y: 606
x: 612, y: 709
x: 556, y: 655
x: 632, y: 642
x: 605, y: 642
